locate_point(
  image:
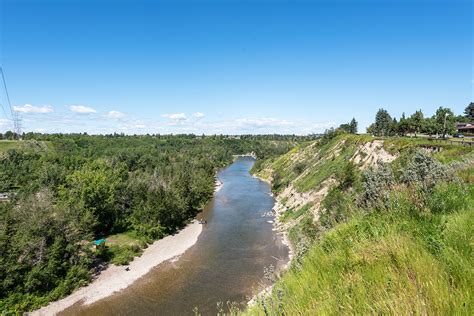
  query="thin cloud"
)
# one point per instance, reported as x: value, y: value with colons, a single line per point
x: 115, y: 114
x: 198, y: 115
x: 81, y: 109
x: 4, y: 122
x: 263, y: 122
x: 176, y: 116
x: 28, y: 108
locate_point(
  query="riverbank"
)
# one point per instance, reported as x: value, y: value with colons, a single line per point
x: 218, y: 185
x: 279, y: 227
x: 116, y: 278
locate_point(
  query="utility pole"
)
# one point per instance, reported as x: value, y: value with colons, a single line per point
x: 444, y: 126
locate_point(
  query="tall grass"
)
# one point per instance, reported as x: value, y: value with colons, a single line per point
x: 413, y: 255
x: 399, y: 263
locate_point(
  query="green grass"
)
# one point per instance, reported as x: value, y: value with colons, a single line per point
x: 294, y: 214
x: 329, y: 163
x: 121, y: 248
x: 5, y: 145
x: 448, y: 152
x: 414, y: 257
x: 384, y: 264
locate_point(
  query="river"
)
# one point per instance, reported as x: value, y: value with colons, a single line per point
x: 225, y: 265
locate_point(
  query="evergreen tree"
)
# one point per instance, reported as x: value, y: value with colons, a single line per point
x: 403, y: 126
x: 469, y: 111
x: 353, y: 126
x: 383, y: 123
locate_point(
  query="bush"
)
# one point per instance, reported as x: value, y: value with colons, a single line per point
x: 120, y: 255
x: 376, y: 182
x: 337, y: 208
x: 299, y: 167
x: 425, y: 171
x: 347, y: 176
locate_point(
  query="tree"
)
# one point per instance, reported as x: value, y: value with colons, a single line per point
x: 469, y: 111
x: 383, y: 123
x: 445, y: 120
x: 345, y: 128
x: 93, y: 188
x: 9, y: 135
x: 416, y: 122
x: 371, y: 129
x: 394, y: 127
x: 403, y: 126
x: 353, y: 126
x: 431, y: 127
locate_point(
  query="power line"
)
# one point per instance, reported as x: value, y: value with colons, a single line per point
x: 15, y: 115
x: 4, y: 111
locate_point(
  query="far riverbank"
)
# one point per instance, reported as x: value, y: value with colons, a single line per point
x: 116, y: 278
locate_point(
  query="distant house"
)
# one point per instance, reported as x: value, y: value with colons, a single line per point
x: 465, y: 128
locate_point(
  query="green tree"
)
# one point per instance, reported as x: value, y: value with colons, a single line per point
x: 353, y: 126
x: 9, y: 135
x: 445, y: 120
x: 94, y: 189
x: 431, y: 127
x: 416, y: 122
x: 469, y: 111
x: 346, y: 128
x: 383, y: 123
x: 403, y: 126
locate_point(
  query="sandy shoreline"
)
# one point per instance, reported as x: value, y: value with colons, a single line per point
x: 115, y: 278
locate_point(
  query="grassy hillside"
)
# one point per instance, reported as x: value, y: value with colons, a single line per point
x: 369, y: 237
x: 6, y: 145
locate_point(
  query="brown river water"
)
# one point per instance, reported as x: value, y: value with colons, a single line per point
x: 225, y: 265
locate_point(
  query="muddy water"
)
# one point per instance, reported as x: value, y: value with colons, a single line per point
x: 226, y: 264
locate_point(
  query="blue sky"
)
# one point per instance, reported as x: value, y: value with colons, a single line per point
x: 231, y: 66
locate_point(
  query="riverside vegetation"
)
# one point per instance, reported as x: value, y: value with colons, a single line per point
x: 377, y: 225
x: 68, y: 190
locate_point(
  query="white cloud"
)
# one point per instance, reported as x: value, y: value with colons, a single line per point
x: 81, y: 109
x: 28, y: 108
x: 140, y: 126
x: 176, y: 116
x: 4, y: 122
x: 263, y: 122
x: 115, y: 114
x: 198, y: 115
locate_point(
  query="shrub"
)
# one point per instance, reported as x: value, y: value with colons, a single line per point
x: 120, y: 255
x: 299, y: 167
x: 425, y: 171
x: 347, y: 176
x: 336, y: 207
x: 376, y: 182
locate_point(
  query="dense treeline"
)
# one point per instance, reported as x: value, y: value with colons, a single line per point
x: 443, y: 122
x: 68, y: 190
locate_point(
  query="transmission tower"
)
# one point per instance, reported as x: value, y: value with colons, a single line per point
x: 15, y: 116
